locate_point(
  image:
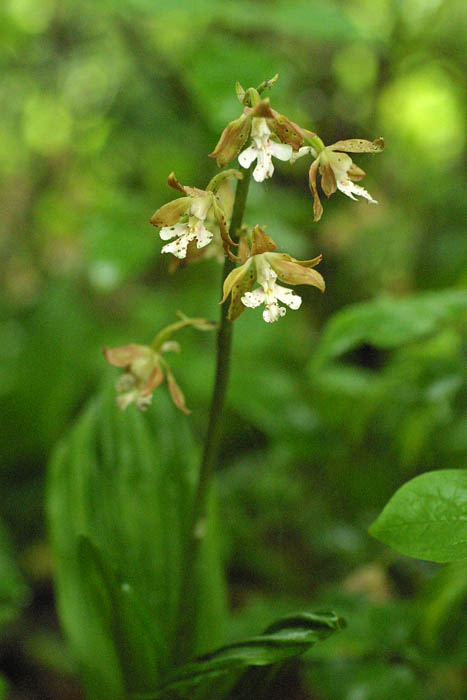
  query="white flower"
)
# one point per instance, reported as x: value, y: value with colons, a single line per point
x: 193, y: 229
x: 341, y: 163
x: 185, y: 233
x: 262, y: 149
x: 270, y: 294
x: 337, y: 170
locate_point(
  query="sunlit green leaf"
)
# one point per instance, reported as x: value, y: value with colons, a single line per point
x: 427, y: 517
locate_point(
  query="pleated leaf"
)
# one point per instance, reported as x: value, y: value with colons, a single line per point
x: 119, y: 503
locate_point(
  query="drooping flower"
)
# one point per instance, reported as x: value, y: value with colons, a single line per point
x: 144, y: 367
x: 259, y: 119
x: 263, y: 149
x: 337, y: 170
x: 186, y: 219
x: 263, y: 265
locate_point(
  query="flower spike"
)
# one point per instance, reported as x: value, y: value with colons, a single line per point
x: 265, y: 266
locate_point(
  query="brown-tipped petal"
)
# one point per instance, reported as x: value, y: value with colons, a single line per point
x: 234, y: 278
x: 286, y: 130
x: 358, y: 146
x: 245, y: 284
x: 124, y: 355
x: 232, y: 140
x: 174, y: 183
x: 262, y: 243
x: 170, y: 213
x: 328, y: 179
x: 317, y: 206
x: 309, y: 263
x: 355, y: 173
x: 294, y: 273
x: 176, y: 393
x: 155, y: 378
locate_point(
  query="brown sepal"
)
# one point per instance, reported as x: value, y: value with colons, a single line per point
x: 242, y: 285
x: 124, y: 355
x: 174, y: 183
x: 328, y: 179
x: 232, y: 140
x: 262, y: 243
x: 176, y: 393
x: 358, y: 146
x: 317, y: 206
x: 355, y: 173
x: 295, y: 273
x: 286, y: 130
x: 170, y: 213
x: 155, y: 378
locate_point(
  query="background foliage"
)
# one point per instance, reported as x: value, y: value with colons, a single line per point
x: 99, y: 102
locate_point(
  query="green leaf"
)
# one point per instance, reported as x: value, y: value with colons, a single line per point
x: 216, y: 674
x: 388, y: 323
x: 119, y: 502
x: 13, y: 591
x: 427, y: 517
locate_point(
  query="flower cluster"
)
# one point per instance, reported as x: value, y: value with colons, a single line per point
x: 263, y: 265
x: 144, y: 366
x: 210, y: 220
x: 184, y: 219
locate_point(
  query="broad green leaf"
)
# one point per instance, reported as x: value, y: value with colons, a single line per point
x: 119, y: 502
x: 3, y: 688
x: 13, y: 591
x: 219, y: 673
x: 427, y: 517
x: 388, y: 323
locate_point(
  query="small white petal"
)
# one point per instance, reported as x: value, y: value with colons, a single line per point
x: 253, y: 299
x: 178, y: 247
x: 303, y: 151
x: 124, y: 400
x: 350, y: 188
x: 169, y: 232
x: 203, y: 235
x: 273, y: 312
x: 143, y: 402
x: 280, y: 150
x: 288, y: 296
x: 247, y: 156
x: 265, y: 167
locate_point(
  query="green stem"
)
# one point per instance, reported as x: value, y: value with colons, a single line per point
x: 186, y: 618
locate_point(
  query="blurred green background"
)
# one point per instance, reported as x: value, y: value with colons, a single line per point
x: 100, y: 101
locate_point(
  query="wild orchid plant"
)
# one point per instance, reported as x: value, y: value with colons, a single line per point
x: 201, y: 223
